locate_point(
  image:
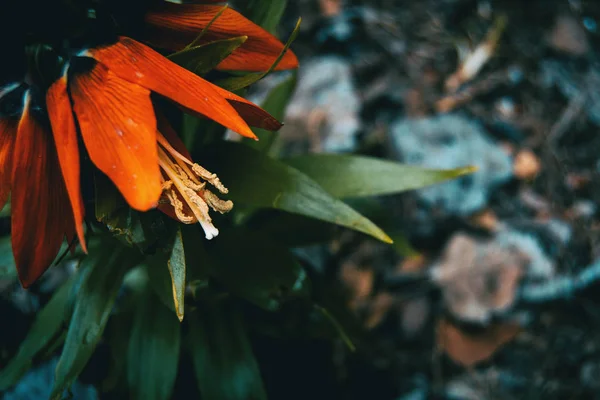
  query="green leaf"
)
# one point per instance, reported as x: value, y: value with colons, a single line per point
x: 44, y: 333
x: 376, y: 210
x: 153, y: 351
x: 240, y: 82
x: 258, y: 270
x: 8, y: 269
x: 108, y: 199
x: 292, y: 230
x: 100, y: 280
x: 207, y: 27
x: 197, y: 132
x: 196, y: 259
x: 202, y: 59
x: 183, y: 259
x: 176, y: 265
x: 275, y: 104
x: 356, y: 176
x: 265, y: 13
x: 5, y: 212
x: 257, y: 180
x: 133, y: 228
x: 338, y: 327
x: 117, y: 334
x: 160, y: 279
x: 223, y: 360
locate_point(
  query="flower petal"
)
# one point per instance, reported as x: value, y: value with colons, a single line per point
x: 137, y: 63
x: 65, y: 138
x: 8, y: 133
x: 117, y: 123
x: 39, y: 200
x: 173, y: 26
x: 250, y: 112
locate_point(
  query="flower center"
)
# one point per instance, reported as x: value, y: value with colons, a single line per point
x: 185, y: 188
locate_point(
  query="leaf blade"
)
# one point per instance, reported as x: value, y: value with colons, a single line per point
x: 257, y: 180
x: 357, y: 176
x: 223, y: 360
x: 93, y: 304
x: 153, y: 351
x: 177, y: 270
x: 47, y: 325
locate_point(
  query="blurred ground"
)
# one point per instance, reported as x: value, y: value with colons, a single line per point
x: 498, y: 298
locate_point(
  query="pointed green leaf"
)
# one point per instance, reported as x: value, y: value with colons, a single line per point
x: 225, y: 366
x: 240, y: 82
x: 275, y: 104
x: 207, y: 27
x: 153, y: 351
x: 117, y: 334
x: 172, y: 267
x: 5, y: 212
x: 101, y: 279
x: 160, y: 279
x: 49, y: 324
x: 8, y: 270
x: 266, y: 13
x: 356, y: 176
x: 176, y: 266
x: 257, y: 180
x: 202, y: 59
x: 259, y: 270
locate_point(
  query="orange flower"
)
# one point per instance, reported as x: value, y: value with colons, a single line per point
x: 173, y: 26
x: 103, y: 96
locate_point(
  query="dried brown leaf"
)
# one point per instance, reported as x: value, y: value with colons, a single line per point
x: 469, y: 349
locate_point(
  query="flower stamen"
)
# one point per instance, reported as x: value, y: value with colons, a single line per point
x: 189, y: 184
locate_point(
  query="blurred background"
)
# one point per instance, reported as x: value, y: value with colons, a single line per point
x: 491, y: 290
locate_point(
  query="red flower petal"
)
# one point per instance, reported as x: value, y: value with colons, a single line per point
x: 117, y: 123
x: 65, y: 138
x: 174, y: 26
x: 250, y: 112
x: 39, y: 200
x: 8, y: 133
x: 140, y: 64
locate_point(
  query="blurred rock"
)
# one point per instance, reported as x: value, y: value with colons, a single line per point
x: 450, y: 141
x: 480, y: 278
x: 326, y: 104
x: 479, y: 385
x: 569, y: 36
x: 590, y: 375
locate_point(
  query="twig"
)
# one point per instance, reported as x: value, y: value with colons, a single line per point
x: 486, y: 85
x: 562, y: 287
x: 568, y: 116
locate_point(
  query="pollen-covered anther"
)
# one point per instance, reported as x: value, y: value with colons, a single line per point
x: 178, y: 207
x: 213, y: 179
x: 186, y: 186
x: 216, y: 203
